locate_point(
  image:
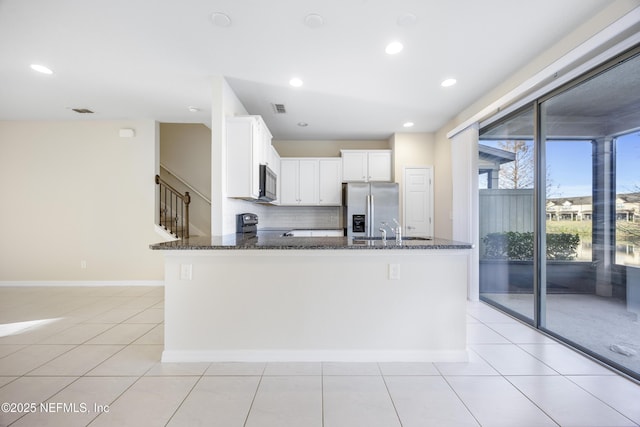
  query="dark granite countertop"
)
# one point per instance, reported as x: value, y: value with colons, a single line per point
x: 275, y: 240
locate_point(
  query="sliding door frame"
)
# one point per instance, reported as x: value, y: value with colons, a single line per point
x: 603, y: 190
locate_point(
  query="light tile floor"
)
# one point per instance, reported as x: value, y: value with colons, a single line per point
x: 92, y: 356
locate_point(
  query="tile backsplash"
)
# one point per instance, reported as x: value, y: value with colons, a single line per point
x: 300, y: 217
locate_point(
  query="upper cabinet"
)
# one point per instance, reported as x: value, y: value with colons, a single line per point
x: 248, y: 146
x: 366, y: 165
x: 310, y: 182
x: 330, y: 182
x: 299, y: 182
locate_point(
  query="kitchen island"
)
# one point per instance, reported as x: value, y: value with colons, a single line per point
x: 275, y: 298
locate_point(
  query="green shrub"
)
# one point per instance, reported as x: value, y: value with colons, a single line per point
x: 562, y: 246
x: 514, y: 245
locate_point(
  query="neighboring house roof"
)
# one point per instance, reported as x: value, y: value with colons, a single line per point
x: 629, y: 198
x: 587, y: 200
x: 495, y: 155
x: 565, y: 201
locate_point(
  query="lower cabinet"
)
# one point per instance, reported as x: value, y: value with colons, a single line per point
x: 310, y: 182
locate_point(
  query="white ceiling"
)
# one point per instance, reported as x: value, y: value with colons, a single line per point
x: 152, y: 59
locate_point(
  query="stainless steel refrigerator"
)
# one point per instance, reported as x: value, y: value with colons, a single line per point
x: 368, y: 205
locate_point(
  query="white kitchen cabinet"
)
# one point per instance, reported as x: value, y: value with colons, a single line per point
x: 274, y: 164
x: 273, y: 159
x: 288, y: 179
x: 354, y: 166
x: 248, y: 145
x: 247, y: 139
x: 299, y: 182
x: 330, y: 182
x: 366, y: 165
x: 379, y: 163
x: 310, y: 182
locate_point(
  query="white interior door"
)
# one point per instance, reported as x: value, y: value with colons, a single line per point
x: 418, y: 201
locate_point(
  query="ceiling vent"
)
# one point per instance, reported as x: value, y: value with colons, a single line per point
x: 279, y: 108
x: 82, y: 110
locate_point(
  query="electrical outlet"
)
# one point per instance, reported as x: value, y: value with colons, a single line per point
x: 83, y: 264
x: 186, y: 271
x: 394, y: 271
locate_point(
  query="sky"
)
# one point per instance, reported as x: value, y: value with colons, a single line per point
x: 569, y: 166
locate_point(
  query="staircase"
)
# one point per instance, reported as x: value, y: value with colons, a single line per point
x: 173, y: 209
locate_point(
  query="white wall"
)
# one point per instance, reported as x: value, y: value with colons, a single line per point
x: 422, y: 149
x: 588, y: 29
x: 75, y: 191
x: 443, y: 191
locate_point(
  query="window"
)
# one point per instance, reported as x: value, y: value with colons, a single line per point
x: 628, y: 199
x: 506, y: 214
x: 560, y: 228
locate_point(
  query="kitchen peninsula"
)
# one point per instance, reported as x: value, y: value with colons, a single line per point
x: 268, y: 297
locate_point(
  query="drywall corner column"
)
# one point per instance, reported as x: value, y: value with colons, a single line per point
x: 218, y: 156
x: 464, y: 171
x: 224, y: 103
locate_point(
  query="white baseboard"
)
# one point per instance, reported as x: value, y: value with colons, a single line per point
x: 172, y: 356
x: 80, y: 283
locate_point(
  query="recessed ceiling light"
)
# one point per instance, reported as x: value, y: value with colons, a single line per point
x: 41, y: 69
x: 393, y: 48
x: 193, y: 109
x: 303, y: 124
x: 313, y: 20
x: 295, y: 82
x: 408, y: 124
x: 220, y: 19
x: 448, y: 82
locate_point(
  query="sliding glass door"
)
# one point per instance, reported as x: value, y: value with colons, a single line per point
x: 562, y: 250
x: 506, y: 226
x: 591, y: 135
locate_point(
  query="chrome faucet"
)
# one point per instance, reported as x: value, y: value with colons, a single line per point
x: 398, y: 231
x: 384, y: 232
x: 382, y: 229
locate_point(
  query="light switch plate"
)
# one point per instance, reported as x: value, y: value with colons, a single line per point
x: 394, y: 271
x: 186, y: 271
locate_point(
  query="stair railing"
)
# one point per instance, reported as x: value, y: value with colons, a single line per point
x: 173, y: 208
x: 182, y: 181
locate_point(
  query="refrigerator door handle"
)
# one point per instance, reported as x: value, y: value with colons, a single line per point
x: 372, y: 209
x: 368, y: 213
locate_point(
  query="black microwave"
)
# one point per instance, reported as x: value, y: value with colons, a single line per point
x: 268, y: 182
